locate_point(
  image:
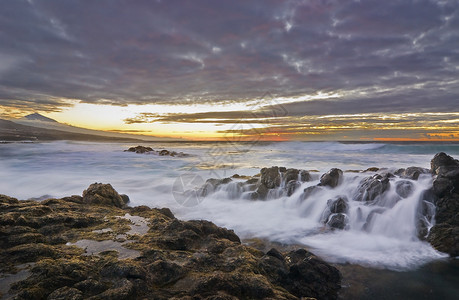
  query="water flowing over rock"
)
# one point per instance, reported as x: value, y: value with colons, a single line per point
x: 445, y: 234
x: 270, y: 181
x: 412, y: 172
x: 337, y: 221
x: 174, y: 259
x: 332, y: 178
x: 372, y: 187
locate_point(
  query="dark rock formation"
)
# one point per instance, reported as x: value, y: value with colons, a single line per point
x: 104, y: 194
x: 442, y: 163
x: 175, y: 259
x: 372, y: 187
x: 338, y: 221
x: 149, y: 150
x: 259, y: 186
x: 444, y: 236
x: 139, y: 149
x: 332, y: 178
x: 411, y: 172
x: 270, y: 177
x: 297, y: 271
x: 338, y: 205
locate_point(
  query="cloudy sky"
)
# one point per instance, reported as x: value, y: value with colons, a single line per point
x: 204, y: 69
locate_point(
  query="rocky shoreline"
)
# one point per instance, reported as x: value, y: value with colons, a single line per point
x: 73, y: 248
x: 441, y: 200
x: 94, y: 246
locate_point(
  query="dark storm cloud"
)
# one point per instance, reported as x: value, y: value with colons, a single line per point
x: 381, y: 56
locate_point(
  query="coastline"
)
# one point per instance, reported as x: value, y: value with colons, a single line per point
x: 172, y: 258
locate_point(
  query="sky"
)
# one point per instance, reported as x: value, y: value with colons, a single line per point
x: 207, y: 69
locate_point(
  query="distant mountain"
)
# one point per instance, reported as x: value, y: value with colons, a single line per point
x: 11, y: 131
x: 38, y: 117
x: 39, y: 121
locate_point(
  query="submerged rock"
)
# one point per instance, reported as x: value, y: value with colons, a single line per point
x: 176, y: 259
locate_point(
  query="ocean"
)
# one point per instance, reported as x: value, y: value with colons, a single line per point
x: 389, y: 242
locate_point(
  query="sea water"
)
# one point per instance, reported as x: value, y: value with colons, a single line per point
x: 58, y: 169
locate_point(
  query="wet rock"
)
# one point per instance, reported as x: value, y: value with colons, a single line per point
x: 304, y: 275
x: 442, y: 163
x: 292, y: 186
x: 310, y: 191
x: 338, y: 205
x: 338, y: 221
x: 444, y: 235
x: 270, y: 177
x: 404, y: 188
x: 291, y: 174
x: 332, y: 178
x: 372, y: 187
x: 103, y: 194
x: 412, y: 172
x: 305, y: 176
x: 212, y: 184
x: 164, y: 152
x: 372, y: 169
x: 139, y: 149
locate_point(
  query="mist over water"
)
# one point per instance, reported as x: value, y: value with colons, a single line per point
x: 382, y: 234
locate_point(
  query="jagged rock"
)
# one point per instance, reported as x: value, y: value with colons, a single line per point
x: 444, y: 236
x: 212, y: 184
x: 305, y: 176
x: 270, y: 177
x: 372, y: 187
x: 412, y: 172
x: 338, y: 221
x: 332, y: 178
x: 292, y: 186
x: 443, y: 163
x: 338, y: 205
x: 309, y: 191
x: 103, y: 194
